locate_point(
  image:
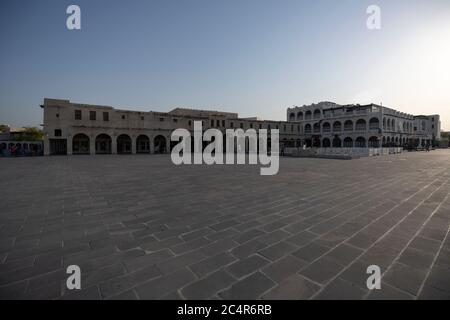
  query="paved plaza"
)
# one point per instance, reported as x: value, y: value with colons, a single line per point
x: 141, y: 228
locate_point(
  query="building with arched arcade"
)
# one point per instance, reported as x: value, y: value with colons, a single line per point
x: 328, y: 124
x: 73, y: 128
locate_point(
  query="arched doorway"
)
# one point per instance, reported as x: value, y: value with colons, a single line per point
x: 360, y: 142
x: 142, y: 144
x: 316, y: 142
x: 80, y: 144
x: 103, y: 144
x: 337, y: 143
x: 326, y: 143
x: 160, y: 144
x: 124, y: 144
x: 348, y: 142
x: 374, y: 142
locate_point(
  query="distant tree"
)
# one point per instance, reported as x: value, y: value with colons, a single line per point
x: 31, y: 134
x: 3, y: 127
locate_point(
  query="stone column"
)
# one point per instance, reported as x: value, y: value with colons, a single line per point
x: 69, y: 145
x: 46, y: 145
x: 92, y: 144
x: 113, y: 144
x: 168, y: 144
x: 133, y: 144
x: 151, y: 147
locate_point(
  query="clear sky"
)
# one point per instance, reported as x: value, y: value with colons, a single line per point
x: 254, y: 57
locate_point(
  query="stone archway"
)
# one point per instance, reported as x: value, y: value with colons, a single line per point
x: 103, y: 144
x: 160, y: 144
x: 142, y: 144
x: 124, y: 144
x: 80, y: 144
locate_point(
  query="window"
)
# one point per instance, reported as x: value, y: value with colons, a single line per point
x: 161, y: 119
x: 175, y: 120
x: 260, y: 125
x: 57, y: 115
x: 284, y: 128
x: 105, y: 116
x: 190, y: 123
x: 92, y: 115
x: 223, y: 123
x: 218, y: 123
x: 77, y: 114
x: 142, y: 118
x: 123, y: 117
x: 242, y: 125
x: 58, y: 133
x: 212, y: 123
x: 231, y: 124
x: 251, y: 125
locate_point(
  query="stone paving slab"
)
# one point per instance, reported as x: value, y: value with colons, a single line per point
x: 141, y: 228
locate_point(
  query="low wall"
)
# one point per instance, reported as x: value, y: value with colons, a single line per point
x: 341, y: 152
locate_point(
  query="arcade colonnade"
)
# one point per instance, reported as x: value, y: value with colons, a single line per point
x: 121, y: 143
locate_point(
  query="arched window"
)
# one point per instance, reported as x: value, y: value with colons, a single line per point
x: 348, y: 125
x: 361, y: 125
x: 308, y: 115
x: 308, y: 129
x: 316, y: 127
x: 374, y: 123
x: 317, y: 114
x: 292, y: 117
x: 337, y: 126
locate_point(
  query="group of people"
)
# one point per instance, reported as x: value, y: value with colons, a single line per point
x: 18, y: 150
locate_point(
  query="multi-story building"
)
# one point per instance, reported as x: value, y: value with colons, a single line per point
x: 73, y: 128
x: 427, y: 128
x: 328, y: 124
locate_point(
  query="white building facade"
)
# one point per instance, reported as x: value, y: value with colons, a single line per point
x: 328, y: 124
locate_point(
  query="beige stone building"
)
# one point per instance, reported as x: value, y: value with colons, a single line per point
x: 73, y: 128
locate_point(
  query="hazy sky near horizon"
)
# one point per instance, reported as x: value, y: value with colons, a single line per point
x: 254, y: 57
